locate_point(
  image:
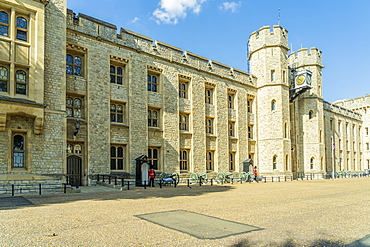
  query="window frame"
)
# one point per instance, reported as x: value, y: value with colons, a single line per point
x: 184, y: 160
x: 5, y: 81
x: 75, y: 108
x: 117, y: 158
x: 273, y: 105
x: 118, y: 78
x: 232, y: 156
x: 312, y: 160
x: 208, y: 97
x: 154, y: 161
x: 210, y: 160
x: 21, y: 29
x: 23, y: 151
x: 153, y: 121
x: 73, y: 65
x: 209, y: 126
x: 18, y: 82
x: 183, y: 121
x: 183, y: 89
x: 274, y: 162
x: 250, y: 131
x: 114, y: 115
x: 249, y: 105
x: 231, y: 100
x: 231, y: 129
x: 153, y: 86
x: 5, y: 25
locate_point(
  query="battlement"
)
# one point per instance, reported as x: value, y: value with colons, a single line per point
x: 342, y: 111
x: 356, y: 103
x: 266, y: 37
x: 305, y: 57
x: 104, y: 31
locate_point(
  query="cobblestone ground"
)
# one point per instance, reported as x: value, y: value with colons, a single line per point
x: 294, y: 213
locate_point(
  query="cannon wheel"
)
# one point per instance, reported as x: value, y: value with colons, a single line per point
x: 204, y: 177
x: 228, y: 177
x: 193, y: 178
x: 175, y: 176
x: 220, y: 177
x: 243, y: 176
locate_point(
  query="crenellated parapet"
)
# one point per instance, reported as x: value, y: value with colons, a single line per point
x: 342, y: 111
x: 306, y: 57
x: 103, y: 31
x: 356, y: 103
x: 265, y: 37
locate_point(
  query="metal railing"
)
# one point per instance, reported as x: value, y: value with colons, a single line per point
x: 33, y: 188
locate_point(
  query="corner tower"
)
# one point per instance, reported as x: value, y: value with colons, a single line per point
x: 269, y: 63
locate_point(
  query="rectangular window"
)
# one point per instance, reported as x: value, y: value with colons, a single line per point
x: 209, y: 96
x: 184, y: 121
x: 74, y: 107
x: 231, y: 129
x: 272, y: 75
x: 250, y: 131
x: 367, y: 131
x: 230, y: 100
x: 153, y: 81
x: 209, y: 125
x: 117, y: 74
x: 184, y: 160
x: 117, y: 157
x: 18, y: 151
x: 4, y: 78
x: 153, y: 157
x: 117, y: 112
x: 183, y: 89
x: 153, y: 117
x: 231, y: 161
x: 22, y: 28
x: 74, y: 64
x: 249, y: 105
x: 210, y: 160
x: 367, y: 146
x: 4, y: 23
x: 21, y: 79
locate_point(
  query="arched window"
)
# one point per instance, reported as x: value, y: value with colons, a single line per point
x: 312, y: 163
x: 116, y: 74
x: 152, y: 83
x: 77, y: 149
x: 209, y: 161
x: 18, y: 151
x: 231, y: 161
x: 273, y: 103
x: 4, y: 78
x: 274, y: 162
x: 4, y: 23
x: 22, y: 27
x: 116, y: 113
x: 73, y: 65
x: 310, y: 114
x: 184, y: 160
x: 21, y: 82
x: 74, y: 107
x: 153, y: 118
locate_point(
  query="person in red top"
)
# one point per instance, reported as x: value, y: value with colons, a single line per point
x: 255, y: 173
x: 151, y: 174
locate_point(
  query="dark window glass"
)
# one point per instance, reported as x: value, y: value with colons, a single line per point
x: 21, y: 28
x: 4, y: 23
x: 18, y: 151
x: 3, y: 79
x: 112, y: 152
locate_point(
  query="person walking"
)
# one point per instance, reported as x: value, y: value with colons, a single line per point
x: 255, y: 173
x: 151, y: 174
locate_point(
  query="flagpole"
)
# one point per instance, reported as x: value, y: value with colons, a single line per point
x: 332, y: 156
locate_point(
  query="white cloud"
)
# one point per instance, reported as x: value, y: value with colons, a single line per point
x: 232, y: 6
x: 170, y: 11
x: 136, y: 19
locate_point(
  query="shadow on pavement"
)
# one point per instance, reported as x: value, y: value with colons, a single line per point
x: 294, y: 243
x: 134, y: 193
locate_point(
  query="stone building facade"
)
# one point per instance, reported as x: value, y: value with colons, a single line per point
x: 78, y: 98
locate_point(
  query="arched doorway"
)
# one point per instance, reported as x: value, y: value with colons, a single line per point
x: 74, y: 170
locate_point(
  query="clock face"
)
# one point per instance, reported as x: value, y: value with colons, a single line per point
x: 300, y: 79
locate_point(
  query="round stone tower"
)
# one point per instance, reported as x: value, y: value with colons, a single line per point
x: 269, y: 63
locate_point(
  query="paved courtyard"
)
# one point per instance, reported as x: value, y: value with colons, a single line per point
x: 293, y: 213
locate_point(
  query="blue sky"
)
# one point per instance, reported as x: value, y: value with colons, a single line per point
x: 219, y: 30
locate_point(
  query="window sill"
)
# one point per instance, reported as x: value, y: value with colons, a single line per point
x: 154, y: 128
x: 19, y: 170
x: 119, y: 125
x: 185, y: 132
x: 233, y: 138
x: 211, y: 135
